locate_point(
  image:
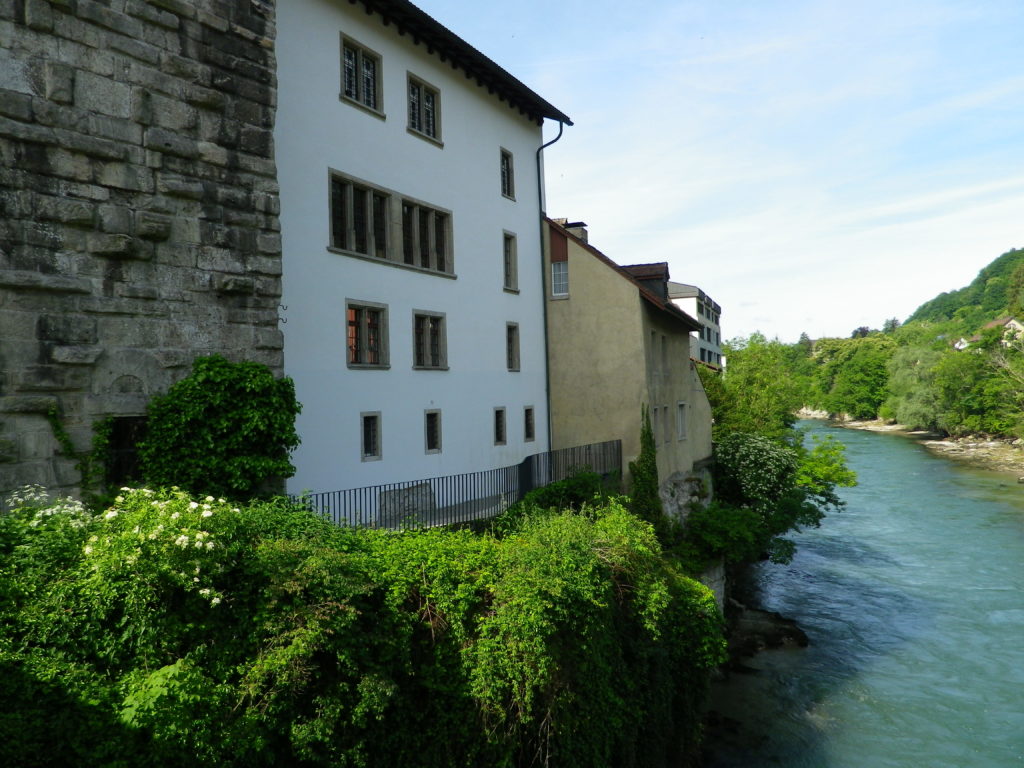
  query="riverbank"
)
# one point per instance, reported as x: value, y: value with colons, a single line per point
x: 997, y: 455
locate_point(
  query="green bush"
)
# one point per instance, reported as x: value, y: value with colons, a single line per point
x: 226, y: 429
x: 172, y: 630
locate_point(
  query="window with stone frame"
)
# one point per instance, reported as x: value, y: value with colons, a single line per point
x: 510, y: 262
x: 512, y: 346
x: 529, y: 429
x: 500, y: 436
x: 366, y: 334
x: 371, y: 443
x: 425, y: 237
x: 508, y: 179
x: 359, y: 217
x: 424, y: 102
x: 360, y: 75
x: 432, y: 431
x: 429, y: 341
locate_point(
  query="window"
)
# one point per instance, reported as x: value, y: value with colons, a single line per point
x: 512, y: 346
x: 681, y: 421
x: 371, y: 444
x: 425, y: 237
x: 666, y: 435
x: 363, y: 223
x: 510, y: 263
x: 424, y: 108
x: 429, y: 342
x: 360, y: 74
x: 367, y: 334
x: 499, y: 426
x: 528, y: 426
x: 359, y: 218
x: 126, y: 432
x: 432, y: 431
x: 560, y: 278
x: 508, y: 181
x: 664, y: 355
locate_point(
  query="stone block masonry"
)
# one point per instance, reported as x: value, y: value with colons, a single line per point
x: 138, y: 210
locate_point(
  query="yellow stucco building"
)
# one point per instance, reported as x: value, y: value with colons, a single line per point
x: 615, y: 344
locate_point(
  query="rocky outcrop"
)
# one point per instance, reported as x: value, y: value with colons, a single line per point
x: 138, y: 210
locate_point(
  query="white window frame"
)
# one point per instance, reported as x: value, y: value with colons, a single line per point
x: 362, y: 331
x: 507, y: 171
x: 509, y: 262
x: 379, y: 433
x: 357, y: 95
x: 422, y: 344
x: 560, y: 278
x: 418, y: 112
x: 435, y: 412
x: 512, y: 359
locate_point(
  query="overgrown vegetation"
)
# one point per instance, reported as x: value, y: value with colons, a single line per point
x: 226, y: 429
x: 186, y: 630
x: 768, y: 481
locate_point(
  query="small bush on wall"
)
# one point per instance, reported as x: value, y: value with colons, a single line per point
x: 227, y: 429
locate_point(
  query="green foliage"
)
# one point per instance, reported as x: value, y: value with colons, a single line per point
x: 226, y: 429
x: 852, y: 375
x: 645, y: 502
x: 172, y: 630
x: 581, y: 487
x: 759, y: 391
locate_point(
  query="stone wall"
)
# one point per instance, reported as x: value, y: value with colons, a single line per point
x: 138, y: 210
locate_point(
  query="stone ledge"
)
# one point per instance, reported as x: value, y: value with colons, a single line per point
x: 42, y: 282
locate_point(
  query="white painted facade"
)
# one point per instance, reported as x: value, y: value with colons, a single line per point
x: 706, y: 344
x: 319, y: 132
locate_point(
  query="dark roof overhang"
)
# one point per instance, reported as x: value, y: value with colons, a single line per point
x: 449, y: 47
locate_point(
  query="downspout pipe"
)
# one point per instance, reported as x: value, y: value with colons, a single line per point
x: 543, y: 278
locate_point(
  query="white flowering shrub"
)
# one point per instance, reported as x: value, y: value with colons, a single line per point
x: 753, y: 470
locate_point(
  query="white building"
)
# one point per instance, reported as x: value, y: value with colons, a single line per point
x: 708, y: 346
x: 411, y: 196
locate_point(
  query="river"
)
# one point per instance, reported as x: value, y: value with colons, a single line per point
x: 913, y: 600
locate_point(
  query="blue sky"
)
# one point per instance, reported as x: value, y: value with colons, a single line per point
x: 813, y: 165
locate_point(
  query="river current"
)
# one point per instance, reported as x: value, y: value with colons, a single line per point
x: 913, y: 600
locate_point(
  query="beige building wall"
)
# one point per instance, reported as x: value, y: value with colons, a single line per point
x: 610, y: 352
x: 595, y: 351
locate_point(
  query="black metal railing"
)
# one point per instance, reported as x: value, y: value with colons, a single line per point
x: 461, y: 498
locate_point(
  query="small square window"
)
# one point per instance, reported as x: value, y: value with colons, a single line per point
x: 430, y: 348
x: 371, y: 442
x: 360, y: 74
x: 424, y: 108
x: 560, y: 278
x: 432, y: 431
x: 499, y: 426
x: 529, y: 432
x: 512, y: 346
x: 508, y: 181
x: 510, y: 265
x: 367, y: 334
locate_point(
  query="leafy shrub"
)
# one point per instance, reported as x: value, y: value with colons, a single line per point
x: 172, y: 630
x: 226, y: 429
x: 581, y: 487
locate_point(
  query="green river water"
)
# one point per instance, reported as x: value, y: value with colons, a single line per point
x: 913, y: 600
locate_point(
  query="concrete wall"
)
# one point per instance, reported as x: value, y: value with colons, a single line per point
x: 318, y: 132
x: 138, y: 209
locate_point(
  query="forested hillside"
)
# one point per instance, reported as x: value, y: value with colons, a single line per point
x: 956, y: 366
x: 997, y: 287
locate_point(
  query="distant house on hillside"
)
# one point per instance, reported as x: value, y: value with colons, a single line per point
x: 1012, y: 329
x: 617, y: 343
x: 411, y: 198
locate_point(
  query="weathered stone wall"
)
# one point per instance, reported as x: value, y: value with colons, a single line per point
x: 138, y: 209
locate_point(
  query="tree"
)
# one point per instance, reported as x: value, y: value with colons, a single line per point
x: 227, y: 429
x: 890, y: 325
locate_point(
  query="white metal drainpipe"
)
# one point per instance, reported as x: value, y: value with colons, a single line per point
x: 543, y: 278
